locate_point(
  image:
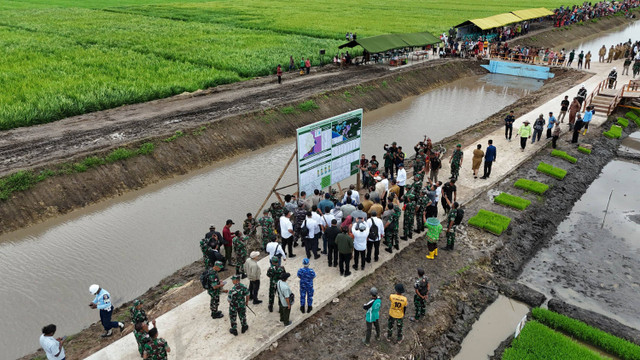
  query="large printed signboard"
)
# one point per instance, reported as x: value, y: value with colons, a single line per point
x: 329, y: 151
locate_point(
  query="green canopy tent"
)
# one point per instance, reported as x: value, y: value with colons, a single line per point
x: 382, y: 43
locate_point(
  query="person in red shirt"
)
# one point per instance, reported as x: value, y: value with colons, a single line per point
x: 279, y: 74
x: 307, y: 65
x: 228, y: 239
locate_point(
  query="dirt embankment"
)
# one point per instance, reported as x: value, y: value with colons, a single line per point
x: 204, y: 144
x: 556, y: 37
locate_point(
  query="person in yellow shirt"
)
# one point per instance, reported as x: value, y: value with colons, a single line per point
x: 396, y: 312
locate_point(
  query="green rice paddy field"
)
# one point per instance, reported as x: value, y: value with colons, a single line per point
x: 67, y: 57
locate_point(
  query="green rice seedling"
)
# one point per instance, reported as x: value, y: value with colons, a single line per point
x: 631, y: 115
x: 584, y: 150
x: 551, y: 170
x: 563, y: 155
x: 532, y: 186
x: 596, y: 337
x: 490, y: 221
x: 623, y: 122
x: 537, y: 341
x: 614, y: 133
x: 513, y: 201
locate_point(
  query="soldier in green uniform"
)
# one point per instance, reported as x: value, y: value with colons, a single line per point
x: 421, y: 287
x: 250, y: 227
x: 215, y: 289
x: 156, y: 348
x: 409, y: 213
x: 397, y: 213
x: 416, y: 187
x: 274, y: 273
x: 266, y: 222
x: 421, y: 207
x: 276, y: 211
x: 238, y: 299
x: 240, y: 248
x: 451, y: 226
x: 456, y: 161
x: 204, y: 247
x: 141, y: 334
x: 419, y: 163
x: 137, y: 313
x: 391, y: 229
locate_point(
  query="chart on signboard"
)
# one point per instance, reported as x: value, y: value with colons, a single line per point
x: 329, y: 150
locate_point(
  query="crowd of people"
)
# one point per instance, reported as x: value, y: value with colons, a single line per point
x: 567, y: 15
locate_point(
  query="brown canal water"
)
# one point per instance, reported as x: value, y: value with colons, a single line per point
x: 592, y: 267
x: 495, y: 324
x: 130, y: 243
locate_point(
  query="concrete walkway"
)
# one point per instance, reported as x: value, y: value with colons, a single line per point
x: 192, y: 334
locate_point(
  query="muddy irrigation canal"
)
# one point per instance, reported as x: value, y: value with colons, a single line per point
x: 130, y: 243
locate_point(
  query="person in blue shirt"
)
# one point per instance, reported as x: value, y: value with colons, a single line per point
x: 489, y: 157
x: 102, y: 302
x: 588, y: 115
x: 552, y: 122
x: 306, y: 276
x: 373, y: 314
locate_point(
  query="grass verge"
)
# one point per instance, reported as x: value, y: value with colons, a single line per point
x: 513, y: 201
x: 537, y: 341
x: 490, y: 221
x: 532, y: 186
x: 563, y: 155
x: 596, y: 337
x: 551, y: 170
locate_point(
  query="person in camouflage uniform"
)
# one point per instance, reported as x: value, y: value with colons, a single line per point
x: 409, y: 213
x: 250, y: 227
x: 421, y: 207
x: 137, y: 313
x: 204, y: 247
x: 391, y: 229
x: 456, y: 161
x: 240, y: 248
x: 156, y: 348
x: 141, y: 334
x: 266, y: 222
x: 238, y: 299
x: 215, y: 290
x: 276, y: 211
x: 451, y: 226
x: 419, y: 163
x: 421, y: 287
x: 274, y: 273
x: 396, y: 219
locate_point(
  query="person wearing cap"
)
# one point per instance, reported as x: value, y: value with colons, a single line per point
x: 240, y: 249
x: 451, y: 225
x: 538, y: 126
x: 396, y: 312
x: 102, y: 302
x: 238, y: 298
x: 456, y: 161
x: 274, y: 273
x: 284, y: 297
x: 306, y: 276
x: 525, y: 133
x: 375, y: 236
x: 253, y: 272
x: 266, y: 223
x: 52, y: 346
x: 286, y: 232
x: 156, y: 348
x: 409, y: 214
x: 212, y: 231
x: 137, y: 312
x: 228, y: 240
x: 372, y: 171
x: 388, y: 158
x: 141, y: 334
x: 582, y: 94
x: 373, y: 314
x: 421, y: 287
x: 360, y: 234
x: 612, y: 77
x: 214, y: 290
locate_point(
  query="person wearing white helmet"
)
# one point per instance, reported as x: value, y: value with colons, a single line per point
x: 582, y: 94
x: 613, y: 76
x: 102, y: 302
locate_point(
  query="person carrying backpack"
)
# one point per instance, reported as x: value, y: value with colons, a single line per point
x: 211, y: 282
x: 421, y: 287
x: 376, y: 232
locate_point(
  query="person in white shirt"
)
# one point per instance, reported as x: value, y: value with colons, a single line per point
x: 385, y: 181
x: 311, y: 240
x: 353, y: 193
x: 360, y: 232
x: 337, y: 213
x: 274, y: 248
x: 286, y: 232
x: 325, y: 223
x: 381, y: 189
x: 52, y: 346
x: 401, y: 179
x: 374, y: 243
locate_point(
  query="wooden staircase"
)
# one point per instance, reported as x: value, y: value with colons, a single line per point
x: 604, y: 100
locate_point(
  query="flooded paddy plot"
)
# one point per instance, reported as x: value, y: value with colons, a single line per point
x: 592, y: 267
